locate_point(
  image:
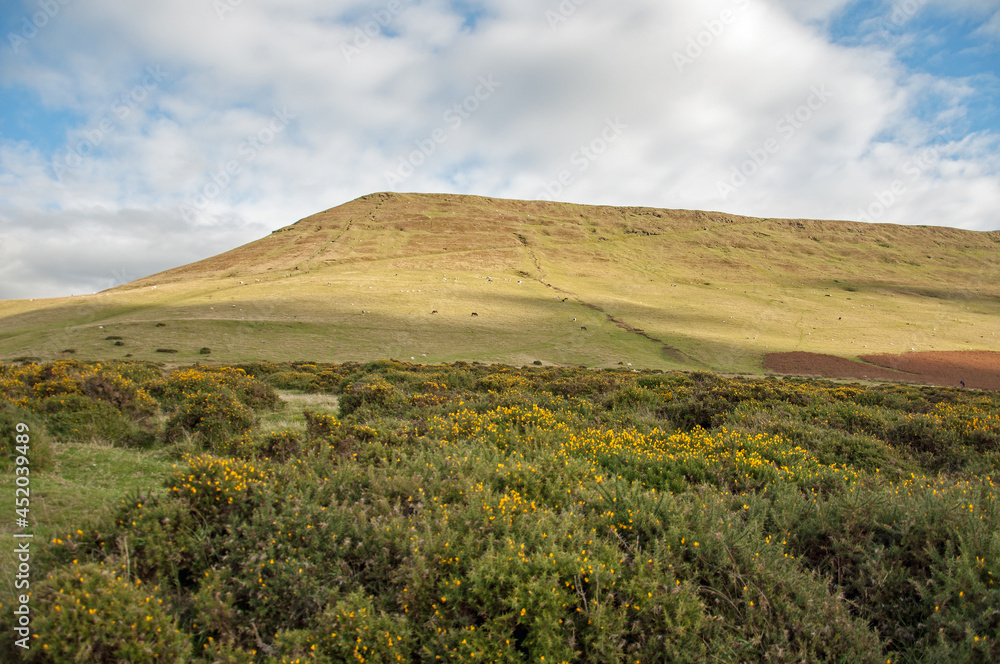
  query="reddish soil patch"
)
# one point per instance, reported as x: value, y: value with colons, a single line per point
x: 979, y: 369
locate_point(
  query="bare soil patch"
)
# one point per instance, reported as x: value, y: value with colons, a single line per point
x: 978, y: 369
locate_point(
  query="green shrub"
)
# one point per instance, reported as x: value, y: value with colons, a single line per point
x: 632, y: 397
x: 213, y: 415
x: 40, y: 452
x: 293, y: 380
x: 119, y: 391
x: 245, y: 446
x: 280, y: 445
x: 219, y: 486
x: 374, y: 393
x: 88, y: 613
x: 351, y: 630
x: 479, y: 513
x: 180, y: 384
x: 78, y: 417
x: 320, y: 426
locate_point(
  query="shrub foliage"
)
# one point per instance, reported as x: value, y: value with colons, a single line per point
x: 483, y: 513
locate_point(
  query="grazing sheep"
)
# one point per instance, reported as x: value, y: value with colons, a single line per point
x: 435, y: 311
x: 583, y: 328
x: 474, y: 313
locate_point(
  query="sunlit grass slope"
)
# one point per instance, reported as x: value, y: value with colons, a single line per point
x: 558, y: 283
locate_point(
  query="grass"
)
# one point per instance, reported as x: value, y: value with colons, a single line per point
x: 88, y: 481
x: 719, y: 290
x: 290, y: 416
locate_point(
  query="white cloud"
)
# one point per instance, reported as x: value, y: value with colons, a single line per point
x: 814, y: 11
x: 701, y: 86
x: 991, y: 28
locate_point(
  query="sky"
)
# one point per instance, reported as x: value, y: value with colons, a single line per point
x: 139, y: 136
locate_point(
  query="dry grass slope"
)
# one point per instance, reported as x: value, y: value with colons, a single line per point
x: 553, y: 282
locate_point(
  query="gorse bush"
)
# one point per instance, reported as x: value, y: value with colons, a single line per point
x: 475, y: 513
x: 373, y: 394
x: 280, y: 445
x: 320, y: 426
x: 95, y: 615
x: 293, y: 380
x: 78, y: 417
x: 81, y: 401
x: 214, y: 415
x: 185, y: 382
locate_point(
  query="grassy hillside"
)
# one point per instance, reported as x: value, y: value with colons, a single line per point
x: 655, y: 288
x: 389, y: 512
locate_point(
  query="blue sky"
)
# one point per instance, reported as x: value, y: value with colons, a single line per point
x: 135, y: 137
x: 939, y: 40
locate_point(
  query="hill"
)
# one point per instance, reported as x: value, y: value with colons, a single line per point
x: 446, y: 277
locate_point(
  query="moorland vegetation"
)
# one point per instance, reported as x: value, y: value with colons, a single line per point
x: 394, y: 512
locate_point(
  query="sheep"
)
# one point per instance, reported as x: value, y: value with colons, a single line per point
x: 474, y: 313
x: 435, y: 311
